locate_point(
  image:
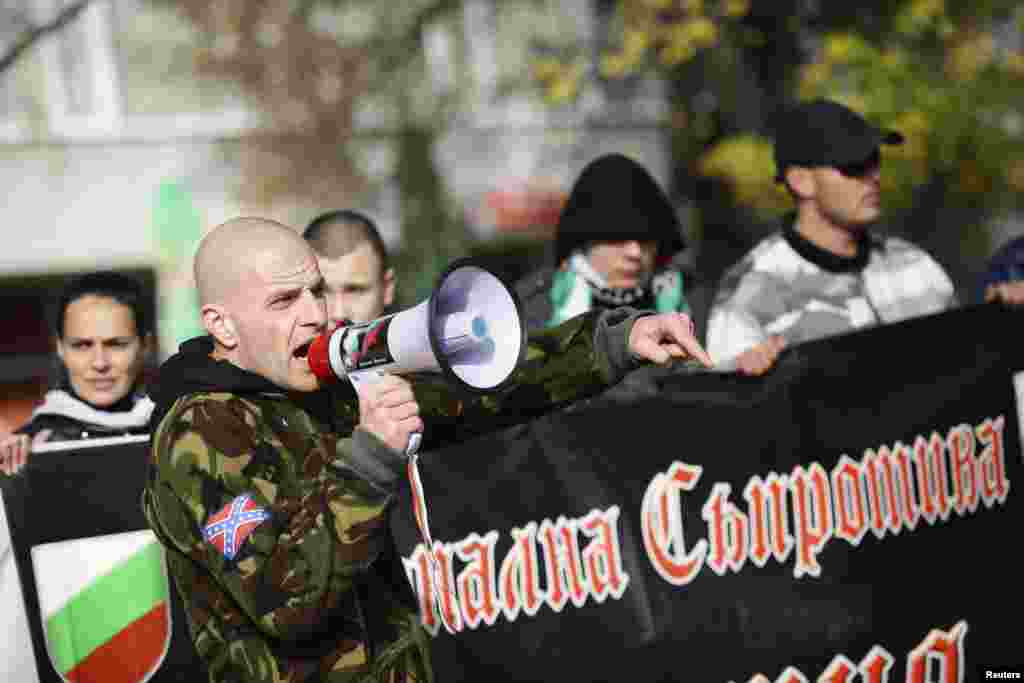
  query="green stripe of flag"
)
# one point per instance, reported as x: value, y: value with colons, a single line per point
x: 106, y: 606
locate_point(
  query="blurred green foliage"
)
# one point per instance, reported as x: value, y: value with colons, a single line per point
x: 948, y: 75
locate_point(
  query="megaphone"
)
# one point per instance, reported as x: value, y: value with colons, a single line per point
x: 470, y: 329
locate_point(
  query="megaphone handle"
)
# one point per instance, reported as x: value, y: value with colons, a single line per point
x: 412, y: 447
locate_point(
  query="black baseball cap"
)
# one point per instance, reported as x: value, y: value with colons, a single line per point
x: 825, y: 133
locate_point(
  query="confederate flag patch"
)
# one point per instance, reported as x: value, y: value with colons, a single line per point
x: 228, y: 528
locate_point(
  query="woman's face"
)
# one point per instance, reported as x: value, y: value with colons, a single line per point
x: 101, y: 349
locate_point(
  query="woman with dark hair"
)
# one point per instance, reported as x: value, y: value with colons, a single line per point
x: 103, y: 333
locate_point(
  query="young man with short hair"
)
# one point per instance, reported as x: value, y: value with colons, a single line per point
x: 826, y: 272
x: 354, y: 262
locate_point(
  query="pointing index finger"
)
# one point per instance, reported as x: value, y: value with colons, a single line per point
x: 683, y: 331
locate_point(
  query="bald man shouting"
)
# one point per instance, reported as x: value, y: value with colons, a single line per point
x: 272, y: 514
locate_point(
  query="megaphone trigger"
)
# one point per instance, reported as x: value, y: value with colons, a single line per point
x: 363, y: 377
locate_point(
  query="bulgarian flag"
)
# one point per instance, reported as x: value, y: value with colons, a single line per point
x: 104, y: 606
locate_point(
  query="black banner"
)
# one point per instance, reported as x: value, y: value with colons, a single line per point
x: 80, y: 494
x: 853, y: 516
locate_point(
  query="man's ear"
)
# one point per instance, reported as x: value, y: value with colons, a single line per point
x: 219, y: 324
x: 60, y: 348
x: 389, y: 286
x: 800, y: 181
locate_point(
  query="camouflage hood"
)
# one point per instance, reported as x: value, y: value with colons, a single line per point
x: 192, y: 370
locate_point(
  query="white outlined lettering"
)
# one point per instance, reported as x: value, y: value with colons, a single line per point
x: 887, y: 492
x: 662, y: 525
x: 482, y: 588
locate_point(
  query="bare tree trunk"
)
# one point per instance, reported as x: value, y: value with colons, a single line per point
x: 33, y: 34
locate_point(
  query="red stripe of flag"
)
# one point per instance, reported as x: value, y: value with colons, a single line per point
x: 129, y: 655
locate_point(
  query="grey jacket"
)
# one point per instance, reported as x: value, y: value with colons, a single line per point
x: 789, y: 287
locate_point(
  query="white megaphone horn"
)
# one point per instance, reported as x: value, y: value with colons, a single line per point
x: 470, y: 329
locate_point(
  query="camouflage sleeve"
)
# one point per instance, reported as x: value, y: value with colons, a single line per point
x: 371, y: 459
x: 266, y: 552
x: 576, y: 359
x: 565, y: 363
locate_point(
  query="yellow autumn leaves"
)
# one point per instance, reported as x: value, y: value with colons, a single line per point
x: 941, y: 78
x: 944, y: 84
x: 745, y: 163
x: 660, y: 33
x: 561, y: 81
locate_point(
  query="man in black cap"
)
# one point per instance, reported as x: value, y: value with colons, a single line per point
x: 825, y: 272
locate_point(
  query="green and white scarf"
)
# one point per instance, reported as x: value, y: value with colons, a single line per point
x: 577, y: 286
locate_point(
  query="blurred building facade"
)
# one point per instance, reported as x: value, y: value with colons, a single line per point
x: 114, y: 154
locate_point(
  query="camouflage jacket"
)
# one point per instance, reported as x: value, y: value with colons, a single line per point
x: 275, y: 527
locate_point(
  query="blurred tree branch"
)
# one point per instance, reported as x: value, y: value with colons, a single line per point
x: 32, y: 34
x: 328, y: 78
x: 308, y: 82
x: 303, y: 83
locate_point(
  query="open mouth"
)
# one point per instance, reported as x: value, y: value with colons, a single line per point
x: 302, y: 351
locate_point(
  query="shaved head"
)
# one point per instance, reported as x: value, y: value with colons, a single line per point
x: 235, y: 249
x: 262, y: 299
